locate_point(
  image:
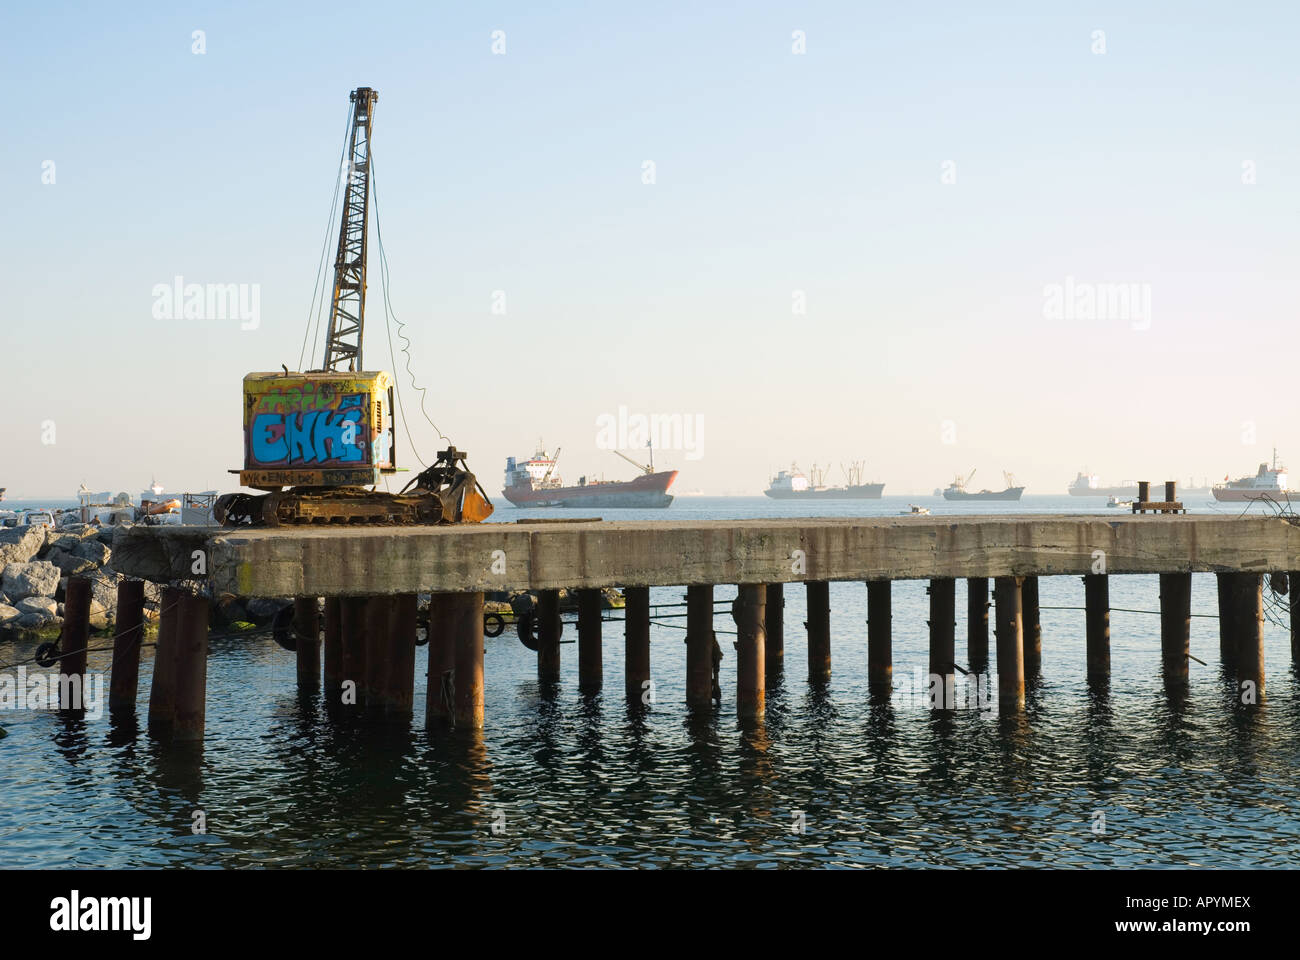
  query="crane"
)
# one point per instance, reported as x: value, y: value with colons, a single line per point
x: 641, y: 466
x: 348, y: 305
x: 329, y: 435
x: 555, y: 458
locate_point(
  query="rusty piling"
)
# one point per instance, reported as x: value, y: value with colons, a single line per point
x: 1227, y: 647
x: 549, y: 627
x: 128, y: 635
x: 943, y: 654
x: 774, y: 628
x: 1096, y: 592
x: 1010, y: 640
x: 467, y: 630
x: 306, y: 629
x: 880, y: 642
x: 1246, y: 618
x: 191, y: 665
x: 977, y: 624
x: 352, y: 677
x: 1293, y: 601
x: 590, y: 668
x: 333, y: 653
x: 162, y: 688
x: 636, y: 644
x: 699, y: 647
x: 1175, y: 626
x: 1032, y: 626
x: 819, y: 631
x: 397, y: 693
x: 76, y: 638
x: 440, y: 700
x: 748, y: 612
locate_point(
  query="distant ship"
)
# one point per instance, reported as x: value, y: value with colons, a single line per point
x: 2, y: 494
x: 957, y: 490
x: 534, y: 483
x: 1267, y: 483
x: 793, y: 485
x: 1089, y: 485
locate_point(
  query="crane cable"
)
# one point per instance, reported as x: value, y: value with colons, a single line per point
x: 390, y: 317
x: 318, y: 288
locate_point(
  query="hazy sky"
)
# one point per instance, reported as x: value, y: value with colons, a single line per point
x: 942, y: 188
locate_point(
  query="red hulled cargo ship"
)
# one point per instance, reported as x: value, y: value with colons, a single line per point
x: 534, y: 483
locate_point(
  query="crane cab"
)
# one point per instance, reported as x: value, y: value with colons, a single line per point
x: 317, y: 429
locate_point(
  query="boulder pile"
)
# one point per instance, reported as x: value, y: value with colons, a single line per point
x: 35, y: 564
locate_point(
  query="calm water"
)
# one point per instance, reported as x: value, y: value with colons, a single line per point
x: 571, y: 781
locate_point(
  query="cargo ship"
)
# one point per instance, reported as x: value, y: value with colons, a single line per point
x: 534, y: 483
x: 793, y: 485
x: 1268, y: 483
x: 957, y: 490
x: 1090, y: 485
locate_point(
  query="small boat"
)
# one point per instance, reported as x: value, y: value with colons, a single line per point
x: 914, y: 511
x: 1119, y: 504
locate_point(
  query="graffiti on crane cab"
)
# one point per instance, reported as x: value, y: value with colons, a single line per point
x: 306, y: 396
x: 331, y: 434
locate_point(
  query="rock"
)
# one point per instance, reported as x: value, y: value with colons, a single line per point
x: 8, y: 614
x: 35, y: 621
x: 70, y: 563
x: 93, y: 551
x: 43, y: 605
x: 103, y: 591
x: 36, y: 579
x: 20, y: 544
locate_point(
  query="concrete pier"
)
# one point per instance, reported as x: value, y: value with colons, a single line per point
x: 359, y: 570
x: 353, y: 561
